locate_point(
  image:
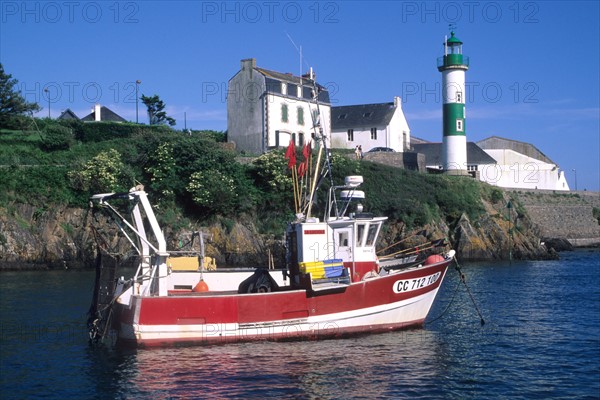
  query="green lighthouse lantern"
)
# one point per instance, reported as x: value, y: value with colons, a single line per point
x: 453, y: 55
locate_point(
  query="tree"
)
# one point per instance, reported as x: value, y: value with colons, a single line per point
x: 11, y: 101
x: 156, y: 112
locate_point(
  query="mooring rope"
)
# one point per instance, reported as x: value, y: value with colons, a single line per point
x: 463, y: 280
x: 449, y: 304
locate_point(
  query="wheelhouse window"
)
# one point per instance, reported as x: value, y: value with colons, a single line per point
x: 372, y: 235
x: 343, y: 238
x: 360, y: 231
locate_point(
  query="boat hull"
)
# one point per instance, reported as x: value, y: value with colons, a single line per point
x: 396, y: 301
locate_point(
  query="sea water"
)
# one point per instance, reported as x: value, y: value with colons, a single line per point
x: 541, y: 339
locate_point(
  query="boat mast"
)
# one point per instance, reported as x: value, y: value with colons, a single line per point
x: 321, y: 136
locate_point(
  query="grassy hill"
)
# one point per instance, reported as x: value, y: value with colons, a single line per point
x: 196, y: 179
x: 197, y: 175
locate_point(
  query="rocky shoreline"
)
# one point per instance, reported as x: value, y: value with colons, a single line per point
x: 63, y: 238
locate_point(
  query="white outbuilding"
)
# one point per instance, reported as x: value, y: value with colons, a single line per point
x: 520, y: 165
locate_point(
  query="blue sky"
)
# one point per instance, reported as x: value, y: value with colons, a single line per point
x: 534, y: 65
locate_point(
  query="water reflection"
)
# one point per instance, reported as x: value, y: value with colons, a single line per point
x: 397, y: 363
x: 540, y: 340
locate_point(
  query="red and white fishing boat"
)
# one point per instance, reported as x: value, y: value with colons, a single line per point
x: 332, y: 283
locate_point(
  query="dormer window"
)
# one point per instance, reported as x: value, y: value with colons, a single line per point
x: 283, y: 88
x: 342, y: 116
x: 367, y: 114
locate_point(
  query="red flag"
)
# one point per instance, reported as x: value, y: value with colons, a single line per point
x: 290, y: 154
x: 306, y: 150
x: 302, y: 169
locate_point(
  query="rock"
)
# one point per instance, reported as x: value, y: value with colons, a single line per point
x: 558, y: 244
x: 62, y: 237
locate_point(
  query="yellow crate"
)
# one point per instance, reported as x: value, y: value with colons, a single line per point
x: 322, y: 269
x: 307, y: 264
x: 190, y: 263
x: 316, y: 272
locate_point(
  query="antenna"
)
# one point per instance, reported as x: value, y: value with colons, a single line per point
x: 299, y: 50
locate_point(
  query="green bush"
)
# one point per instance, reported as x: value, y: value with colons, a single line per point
x: 195, y: 176
x: 217, y: 136
x: 100, y: 131
x: 56, y: 137
x: 103, y: 173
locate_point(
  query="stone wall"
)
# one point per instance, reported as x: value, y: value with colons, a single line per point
x: 563, y: 215
x: 412, y: 161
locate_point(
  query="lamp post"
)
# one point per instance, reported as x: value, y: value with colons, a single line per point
x: 137, y: 85
x: 575, y: 172
x: 509, y: 207
x: 48, y: 95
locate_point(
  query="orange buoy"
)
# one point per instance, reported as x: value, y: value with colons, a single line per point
x: 201, y: 286
x: 435, y: 258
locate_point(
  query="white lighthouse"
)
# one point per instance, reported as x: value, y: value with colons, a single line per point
x: 454, y: 145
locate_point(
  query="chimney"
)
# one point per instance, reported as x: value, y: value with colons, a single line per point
x: 97, y: 110
x: 248, y: 63
x: 397, y: 102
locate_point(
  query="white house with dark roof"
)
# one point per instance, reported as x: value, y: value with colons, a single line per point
x: 265, y: 109
x: 67, y: 115
x: 101, y: 113
x: 521, y: 165
x: 369, y: 126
